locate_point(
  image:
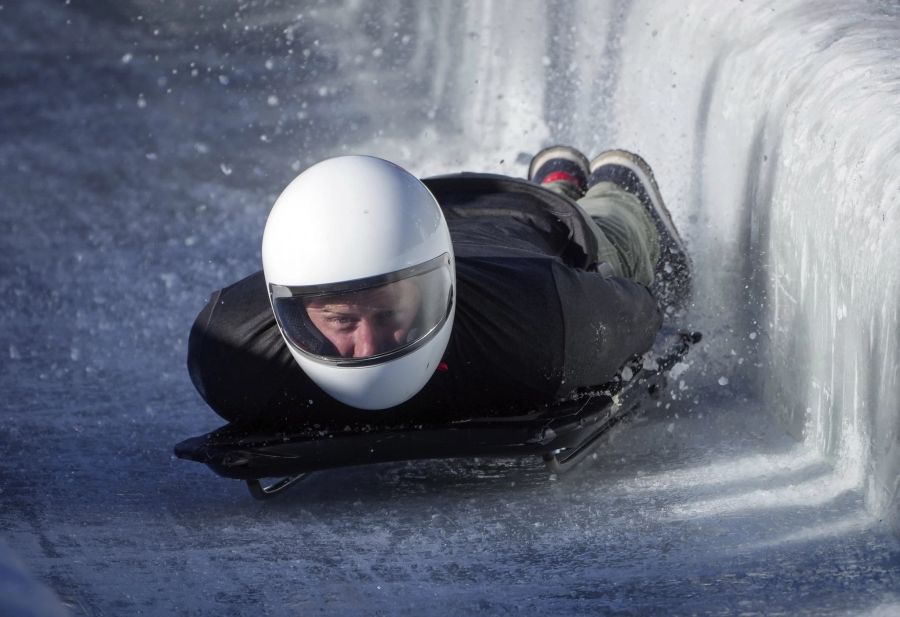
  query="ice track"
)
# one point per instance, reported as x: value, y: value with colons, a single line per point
x: 143, y: 143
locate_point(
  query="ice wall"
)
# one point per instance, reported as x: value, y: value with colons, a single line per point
x: 775, y: 127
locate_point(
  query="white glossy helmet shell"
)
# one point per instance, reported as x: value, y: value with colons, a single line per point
x: 349, y: 218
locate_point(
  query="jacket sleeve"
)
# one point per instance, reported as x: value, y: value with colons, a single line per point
x: 240, y: 364
x: 607, y: 321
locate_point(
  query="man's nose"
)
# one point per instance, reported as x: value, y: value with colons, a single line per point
x: 365, y: 341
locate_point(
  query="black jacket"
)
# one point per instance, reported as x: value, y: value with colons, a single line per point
x: 535, y: 319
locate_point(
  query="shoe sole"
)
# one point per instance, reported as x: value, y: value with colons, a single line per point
x: 558, y: 152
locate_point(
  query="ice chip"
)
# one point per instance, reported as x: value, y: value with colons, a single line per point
x: 226, y: 169
x: 678, y: 369
x: 650, y: 362
x: 723, y: 381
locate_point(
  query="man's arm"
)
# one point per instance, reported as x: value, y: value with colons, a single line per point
x: 240, y: 364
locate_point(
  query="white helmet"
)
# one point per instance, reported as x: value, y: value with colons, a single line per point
x: 361, y: 275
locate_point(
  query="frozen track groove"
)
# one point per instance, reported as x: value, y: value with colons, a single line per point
x: 139, y: 160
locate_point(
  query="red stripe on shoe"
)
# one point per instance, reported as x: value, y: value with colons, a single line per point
x: 560, y: 176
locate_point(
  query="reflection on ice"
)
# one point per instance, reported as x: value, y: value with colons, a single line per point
x: 845, y: 526
x: 751, y: 467
x: 817, y: 491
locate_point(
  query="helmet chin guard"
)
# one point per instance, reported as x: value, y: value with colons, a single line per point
x: 361, y: 275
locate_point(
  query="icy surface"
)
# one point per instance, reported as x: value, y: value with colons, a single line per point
x: 143, y: 143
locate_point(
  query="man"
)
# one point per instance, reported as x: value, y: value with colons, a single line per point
x: 463, y: 295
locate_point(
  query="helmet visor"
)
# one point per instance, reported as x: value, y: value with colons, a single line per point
x: 366, y: 321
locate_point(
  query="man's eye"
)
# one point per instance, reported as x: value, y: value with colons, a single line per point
x: 341, y: 321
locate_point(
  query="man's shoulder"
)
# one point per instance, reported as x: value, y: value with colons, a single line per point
x: 491, y: 209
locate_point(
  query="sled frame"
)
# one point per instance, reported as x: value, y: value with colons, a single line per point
x: 265, y: 492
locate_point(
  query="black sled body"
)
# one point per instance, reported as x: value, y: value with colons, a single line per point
x: 561, y: 433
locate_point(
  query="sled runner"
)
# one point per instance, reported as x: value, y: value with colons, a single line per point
x: 562, y: 433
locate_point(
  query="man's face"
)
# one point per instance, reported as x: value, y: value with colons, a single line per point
x: 368, y: 322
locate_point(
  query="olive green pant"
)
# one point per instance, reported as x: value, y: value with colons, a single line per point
x: 626, y: 236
